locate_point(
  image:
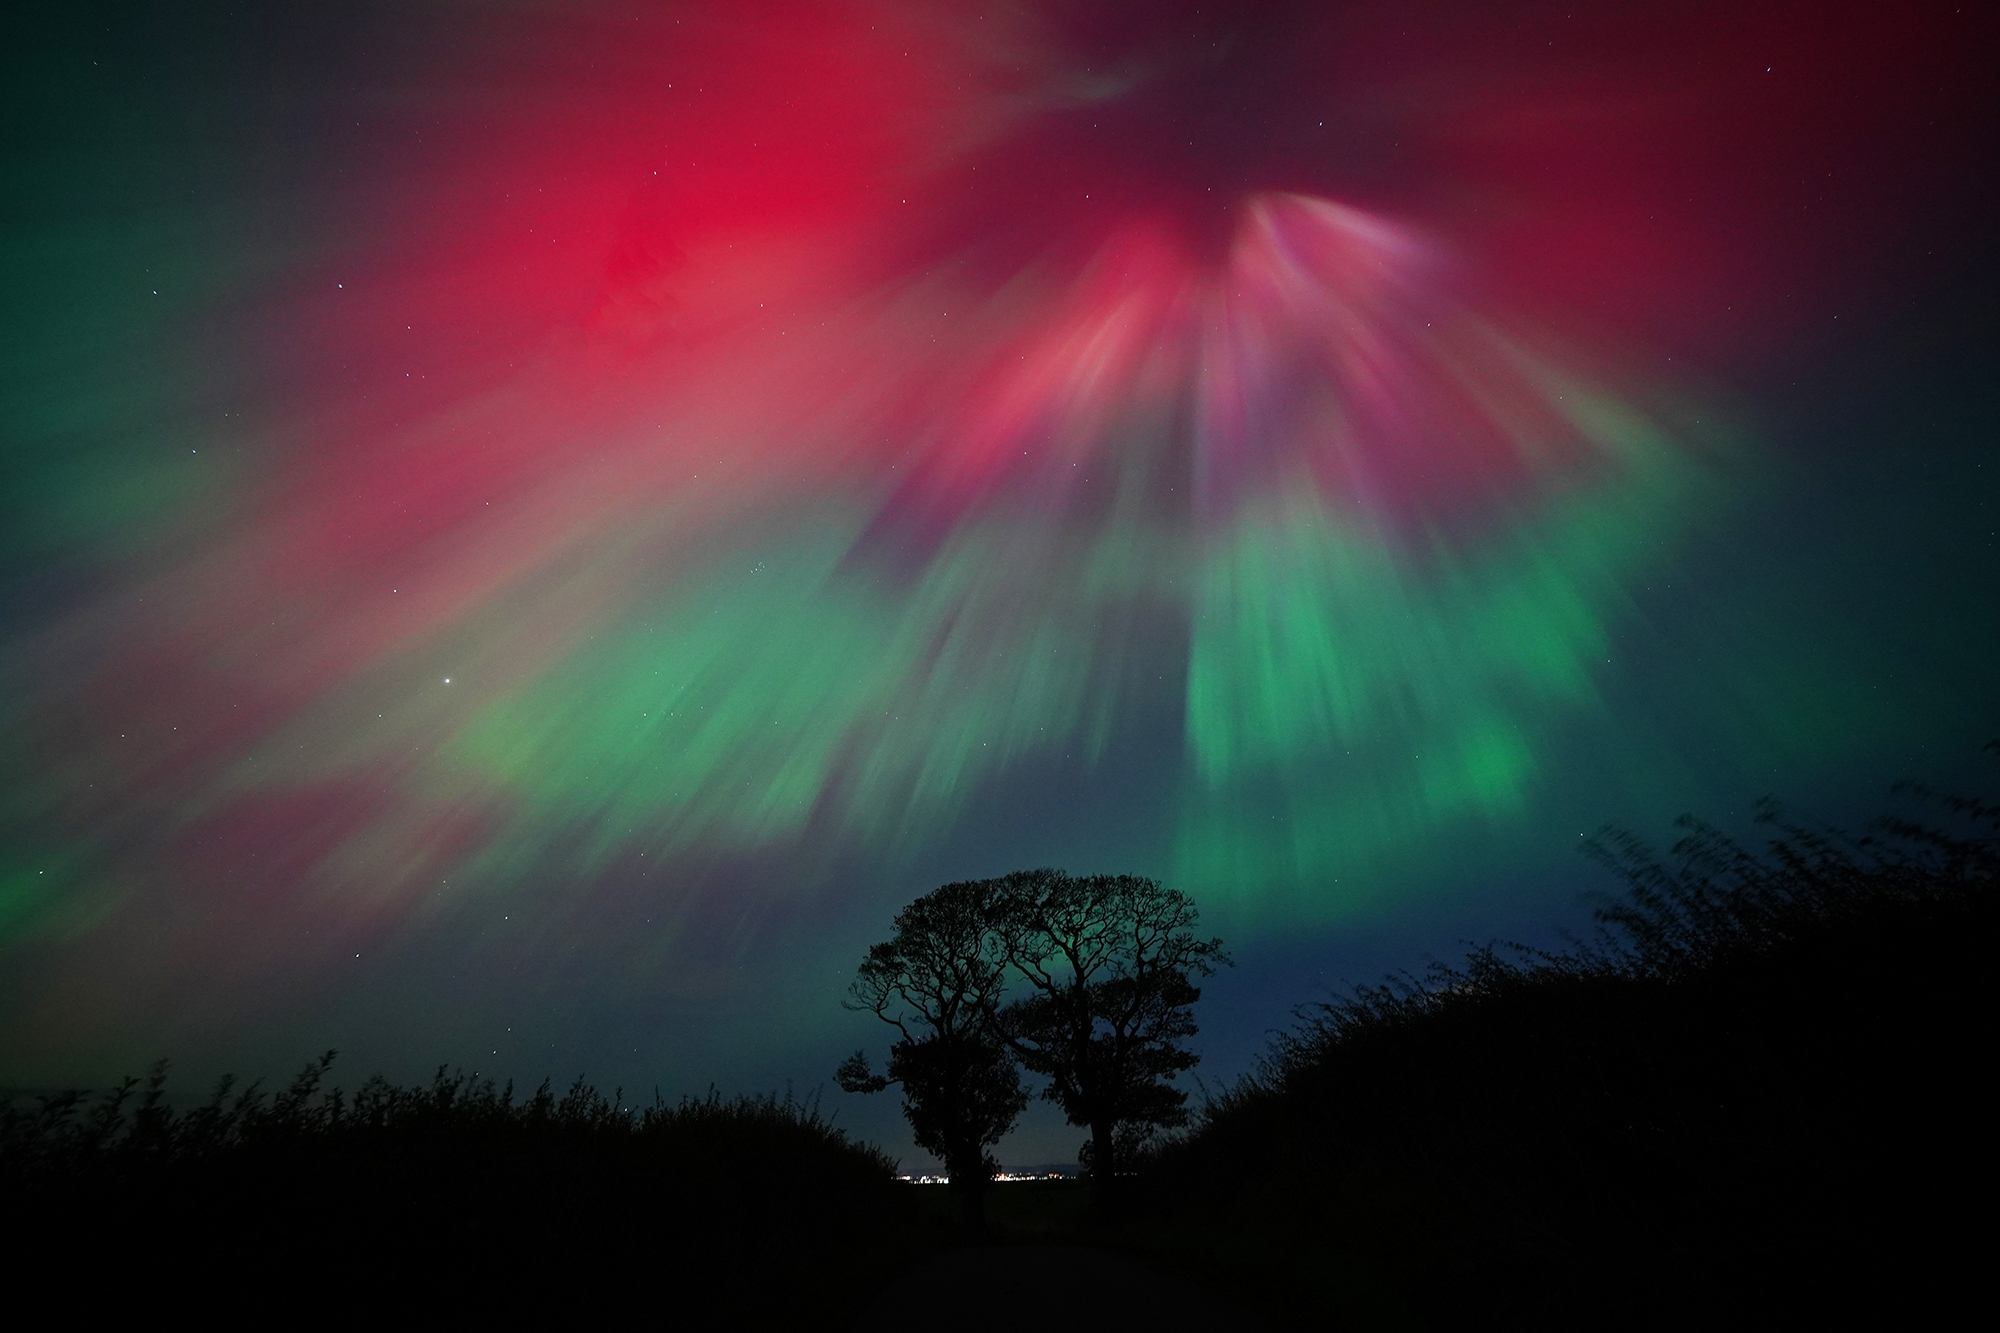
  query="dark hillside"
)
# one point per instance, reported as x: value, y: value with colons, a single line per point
x: 1761, y: 1088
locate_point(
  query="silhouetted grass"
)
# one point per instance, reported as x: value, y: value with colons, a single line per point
x: 460, y: 1192
x: 1760, y: 1086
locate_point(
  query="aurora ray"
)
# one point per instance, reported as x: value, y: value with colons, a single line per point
x: 773, y: 436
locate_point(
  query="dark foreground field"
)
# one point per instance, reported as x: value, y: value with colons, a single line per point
x: 454, y: 1197
x: 1762, y: 1096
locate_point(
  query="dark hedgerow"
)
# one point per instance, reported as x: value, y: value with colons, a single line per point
x: 460, y: 1190
x: 1760, y: 1085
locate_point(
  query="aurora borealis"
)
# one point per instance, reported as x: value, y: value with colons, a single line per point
x: 532, y: 528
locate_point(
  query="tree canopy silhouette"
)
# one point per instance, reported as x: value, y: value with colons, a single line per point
x: 938, y: 981
x: 1107, y: 965
x: 1109, y: 962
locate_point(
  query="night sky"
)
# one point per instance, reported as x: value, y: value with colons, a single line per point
x: 528, y: 530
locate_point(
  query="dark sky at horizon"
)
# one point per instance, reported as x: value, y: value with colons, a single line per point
x: 531, y: 529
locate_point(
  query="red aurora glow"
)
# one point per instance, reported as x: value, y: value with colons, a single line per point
x: 721, y: 427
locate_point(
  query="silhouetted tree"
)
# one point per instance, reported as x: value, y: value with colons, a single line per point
x: 1110, y: 962
x: 938, y: 982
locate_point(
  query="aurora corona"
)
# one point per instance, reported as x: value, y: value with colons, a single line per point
x: 755, y: 436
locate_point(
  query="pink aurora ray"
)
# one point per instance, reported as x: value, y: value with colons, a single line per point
x: 750, y: 534
x: 983, y: 496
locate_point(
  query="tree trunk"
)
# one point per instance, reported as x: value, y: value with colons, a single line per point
x: 970, y: 1181
x: 1103, y: 1168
